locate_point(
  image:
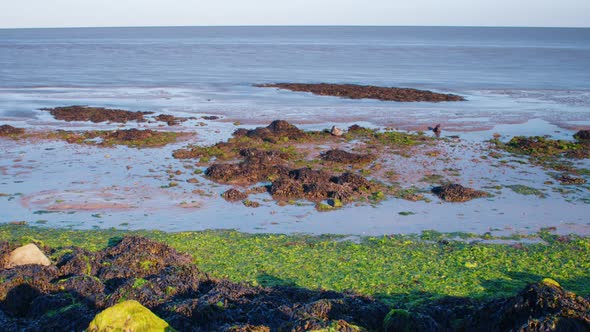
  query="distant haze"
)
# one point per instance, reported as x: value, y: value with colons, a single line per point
x: 101, y: 13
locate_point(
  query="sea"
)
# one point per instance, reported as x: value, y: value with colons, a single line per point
x: 508, y: 74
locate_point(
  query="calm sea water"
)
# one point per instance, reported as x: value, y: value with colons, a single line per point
x: 438, y: 57
x: 190, y: 65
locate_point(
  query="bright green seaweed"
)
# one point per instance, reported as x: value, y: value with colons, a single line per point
x: 402, y: 270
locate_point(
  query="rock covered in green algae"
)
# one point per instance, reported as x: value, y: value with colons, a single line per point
x: 452, y: 192
x: 399, y: 320
x: 128, y: 316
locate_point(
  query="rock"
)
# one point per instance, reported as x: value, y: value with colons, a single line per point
x: 543, y: 306
x: 403, y: 320
x: 582, y: 135
x: 128, y: 316
x: 27, y: 254
x: 565, y: 179
x: 336, y: 131
x: 452, y: 192
x: 233, y: 195
x: 6, y: 130
x: 276, y: 131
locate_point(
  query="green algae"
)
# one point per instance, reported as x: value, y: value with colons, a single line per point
x: 128, y: 316
x: 402, y: 269
x: 131, y: 138
x: 538, y: 146
x: 526, y: 190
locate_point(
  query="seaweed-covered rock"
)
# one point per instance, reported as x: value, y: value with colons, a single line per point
x: 274, y: 132
x: 23, y: 284
x: 94, y: 114
x: 139, y: 257
x: 543, y: 306
x: 128, y: 316
x: 78, y: 262
x: 354, y: 91
x: 7, y: 130
x: 457, y: 193
x: 567, y: 179
x: 130, y: 134
x: 233, y: 195
x: 172, y: 120
x: 257, y: 166
x: 582, y: 135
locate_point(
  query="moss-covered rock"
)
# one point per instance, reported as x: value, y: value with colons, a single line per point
x: 400, y: 320
x: 128, y: 316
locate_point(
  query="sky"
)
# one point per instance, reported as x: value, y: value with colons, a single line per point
x: 100, y: 13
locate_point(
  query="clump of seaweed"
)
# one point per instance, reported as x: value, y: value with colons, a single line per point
x: 568, y: 179
x: 233, y: 195
x: 278, y: 130
x: 8, y: 130
x: 453, y: 192
x: 539, y: 146
x: 172, y: 120
x: 130, y: 137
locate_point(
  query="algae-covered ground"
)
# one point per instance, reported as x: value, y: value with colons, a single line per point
x: 402, y: 270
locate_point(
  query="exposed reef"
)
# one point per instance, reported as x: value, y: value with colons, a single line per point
x: 7, y: 130
x: 354, y: 91
x: 95, y: 114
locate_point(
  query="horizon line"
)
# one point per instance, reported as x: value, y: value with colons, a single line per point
x: 293, y: 26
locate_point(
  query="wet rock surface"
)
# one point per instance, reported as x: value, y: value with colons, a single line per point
x: 7, y: 130
x: 354, y: 91
x: 95, y: 114
x: 453, y: 192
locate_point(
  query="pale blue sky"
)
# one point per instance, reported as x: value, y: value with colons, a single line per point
x: 76, y: 13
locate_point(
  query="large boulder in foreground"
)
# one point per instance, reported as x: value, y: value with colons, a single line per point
x: 26, y: 255
x: 129, y: 316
